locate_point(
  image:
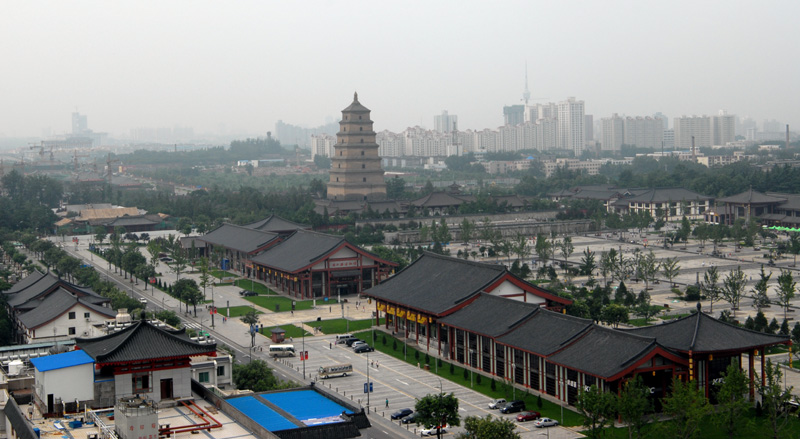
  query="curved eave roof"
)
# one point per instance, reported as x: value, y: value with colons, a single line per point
x: 140, y: 342
x: 436, y: 284
x: 701, y: 333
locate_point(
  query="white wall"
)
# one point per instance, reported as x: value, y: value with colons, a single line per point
x: 511, y: 291
x: 181, y: 384
x: 69, y: 383
x: 62, y: 324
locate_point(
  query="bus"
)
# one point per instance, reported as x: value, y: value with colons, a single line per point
x: 281, y: 350
x: 337, y: 370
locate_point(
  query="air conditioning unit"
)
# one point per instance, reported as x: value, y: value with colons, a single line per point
x: 88, y: 319
x: 85, y: 333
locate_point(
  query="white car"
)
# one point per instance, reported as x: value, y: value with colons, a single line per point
x: 430, y: 431
x: 497, y: 403
x: 356, y: 343
x: 545, y: 422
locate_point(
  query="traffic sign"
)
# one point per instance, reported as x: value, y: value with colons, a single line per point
x: 367, y: 386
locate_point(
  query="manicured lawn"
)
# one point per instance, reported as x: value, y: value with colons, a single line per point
x: 262, y: 289
x: 291, y: 331
x: 502, y: 390
x: 340, y: 326
x: 219, y: 274
x: 236, y: 311
x: 274, y: 302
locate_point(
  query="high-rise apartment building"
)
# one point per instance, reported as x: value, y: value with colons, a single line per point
x: 723, y: 128
x: 322, y: 144
x: 663, y: 118
x: 687, y: 127
x: 644, y: 132
x: 445, y: 123
x: 613, y: 135
x: 79, y: 123
x: 356, y: 172
x: 589, y: 125
x: 571, y: 129
x: 513, y: 114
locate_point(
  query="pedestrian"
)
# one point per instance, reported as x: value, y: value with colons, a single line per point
x: 377, y: 365
x: 387, y: 403
x: 372, y: 363
x: 330, y: 345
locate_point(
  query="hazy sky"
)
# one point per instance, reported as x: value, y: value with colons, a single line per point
x: 247, y: 64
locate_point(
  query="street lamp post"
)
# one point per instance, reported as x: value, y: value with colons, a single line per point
x: 368, y: 389
x: 303, y: 354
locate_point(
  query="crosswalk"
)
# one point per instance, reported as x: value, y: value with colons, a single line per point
x: 191, y: 325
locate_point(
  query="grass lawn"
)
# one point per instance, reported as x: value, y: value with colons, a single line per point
x: 285, y: 303
x: 291, y: 331
x: 254, y: 286
x: 779, y: 349
x: 236, y: 311
x: 339, y: 326
x: 481, y: 385
x: 223, y: 284
x: 219, y: 274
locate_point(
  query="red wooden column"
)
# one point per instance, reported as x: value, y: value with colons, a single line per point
x: 751, y: 365
x: 763, y: 368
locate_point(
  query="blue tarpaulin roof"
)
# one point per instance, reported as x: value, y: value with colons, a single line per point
x: 60, y: 361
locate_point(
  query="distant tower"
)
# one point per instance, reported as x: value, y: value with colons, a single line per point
x: 526, y: 95
x: 356, y: 172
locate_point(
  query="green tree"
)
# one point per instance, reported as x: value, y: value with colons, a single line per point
x: 437, y: 409
x: 670, y: 268
x: 488, y: 427
x: 184, y: 226
x: 598, y: 408
x: 543, y: 248
x: 774, y: 398
x: 187, y: 291
x: 467, y: 230
x: 588, y: 264
x: 786, y: 290
x: 169, y: 317
x: 634, y: 406
x: 614, y: 314
x: 732, y: 401
x: 258, y: 377
x: 759, y: 292
x: 733, y: 288
x: 100, y: 234
x: 648, y: 267
x: 710, y: 286
x: 687, y: 405
x: 566, y: 248
x: 205, y: 276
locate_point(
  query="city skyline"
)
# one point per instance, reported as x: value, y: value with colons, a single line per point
x: 241, y: 67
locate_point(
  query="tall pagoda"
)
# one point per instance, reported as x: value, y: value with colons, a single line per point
x: 356, y: 172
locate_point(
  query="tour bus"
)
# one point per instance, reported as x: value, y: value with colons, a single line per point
x: 337, y: 370
x: 281, y: 350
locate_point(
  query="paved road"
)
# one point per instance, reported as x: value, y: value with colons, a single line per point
x: 402, y: 384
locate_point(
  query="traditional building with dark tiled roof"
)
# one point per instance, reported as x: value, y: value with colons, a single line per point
x: 45, y: 308
x: 276, y: 224
x: 434, y: 286
x: 771, y: 209
x: 143, y: 359
x: 311, y: 265
x: 485, y: 319
x: 239, y: 244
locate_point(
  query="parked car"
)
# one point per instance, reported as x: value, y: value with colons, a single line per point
x: 166, y: 259
x: 528, y: 416
x: 350, y: 341
x: 402, y: 413
x: 513, y: 407
x: 247, y: 293
x: 356, y: 343
x: 430, y: 431
x: 410, y: 419
x: 545, y: 422
x: 497, y: 403
x: 363, y: 348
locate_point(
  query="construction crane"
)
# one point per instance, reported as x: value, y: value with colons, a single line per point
x: 109, y: 162
x: 75, y: 156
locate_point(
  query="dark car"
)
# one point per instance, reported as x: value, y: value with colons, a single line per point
x: 528, y: 416
x: 513, y: 407
x: 247, y: 293
x: 410, y: 419
x: 350, y: 341
x: 402, y: 413
x: 363, y: 348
